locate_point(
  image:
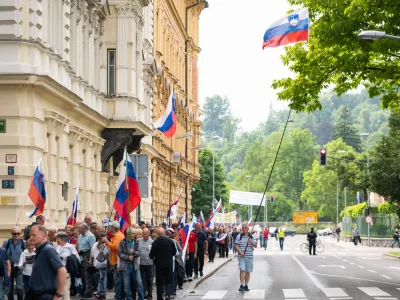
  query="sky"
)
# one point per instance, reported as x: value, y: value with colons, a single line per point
x: 232, y: 62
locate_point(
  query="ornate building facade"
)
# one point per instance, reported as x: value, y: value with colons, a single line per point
x: 76, y: 85
x: 175, y: 161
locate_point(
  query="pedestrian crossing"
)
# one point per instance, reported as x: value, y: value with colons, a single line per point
x: 300, y: 294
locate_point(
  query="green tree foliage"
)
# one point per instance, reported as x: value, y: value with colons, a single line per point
x: 344, y: 128
x: 202, y: 194
x: 335, y: 56
x: 385, y: 166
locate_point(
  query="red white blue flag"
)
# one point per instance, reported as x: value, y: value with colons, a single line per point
x: 128, y: 194
x: 122, y: 223
x: 210, y: 221
x: 172, y: 211
x: 289, y: 29
x: 74, y: 211
x: 201, y: 219
x: 37, y: 191
x: 184, y: 234
x: 167, y: 122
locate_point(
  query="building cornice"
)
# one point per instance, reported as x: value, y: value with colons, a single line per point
x: 140, y: 127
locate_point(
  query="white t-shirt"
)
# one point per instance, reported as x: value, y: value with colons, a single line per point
x: 95, y: 252
x: 65, y: 251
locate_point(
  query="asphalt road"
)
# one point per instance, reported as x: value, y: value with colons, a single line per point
x: 336, y: 274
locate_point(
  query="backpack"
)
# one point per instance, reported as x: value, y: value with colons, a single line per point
x: 27, y: 232
x: 102, y: 258
x: 73, y: 266
x: 8, y: 246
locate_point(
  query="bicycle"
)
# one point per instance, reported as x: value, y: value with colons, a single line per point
x: 319, y: 247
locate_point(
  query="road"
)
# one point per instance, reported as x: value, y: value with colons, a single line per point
x: 336, y: 274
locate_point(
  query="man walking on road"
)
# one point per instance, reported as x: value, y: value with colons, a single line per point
x: 245, y: 258
x: 312, y: 239
x: 338, y: 231
x: 281, y: 236
x: 265, y: 234
x: 202, y: 249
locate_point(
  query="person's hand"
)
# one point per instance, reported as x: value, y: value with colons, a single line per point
x: 130, y: 258
x: 195, y: 256
x: 250, y: 241
x: 131, y: 250
x: 104, y: 239
x: 243, y: 254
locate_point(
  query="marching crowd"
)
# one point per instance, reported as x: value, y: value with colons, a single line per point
x: 88, y: 260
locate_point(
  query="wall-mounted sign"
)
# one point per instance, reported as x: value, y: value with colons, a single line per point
x: 2, y: 126
x: 11, y: 158
x: 7, y: 200
x: 10, y: 170
x: 7, y: 183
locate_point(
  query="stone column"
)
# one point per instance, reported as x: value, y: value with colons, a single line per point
x: 122, y: 51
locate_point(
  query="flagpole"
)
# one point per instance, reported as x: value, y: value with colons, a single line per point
x: 170, y: 183
x: 22, y: 209
x: 129, y: 194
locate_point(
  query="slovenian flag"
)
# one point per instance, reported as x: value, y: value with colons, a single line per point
x: 210, y: 221
x: 122, y: 223
x: 201, y: 219
x: 184, y: 234
x: 37, y: 191
x: 127, y: 187
x: 290, y: 29
x: 167, y: 122
x: 172, y: 211
x: 74, y: 211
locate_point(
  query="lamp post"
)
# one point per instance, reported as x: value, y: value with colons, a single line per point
x: 374, y: 34
x: 250, y: 208
x: 215, y: 137
x: 366, y: 135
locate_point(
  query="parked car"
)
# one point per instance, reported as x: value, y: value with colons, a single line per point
x: 272, y: 231
x: 326, y: 231
x: 287, y: 231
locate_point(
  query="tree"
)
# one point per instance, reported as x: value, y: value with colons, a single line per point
x: 202, y: 193
x: 344, y: 129
x: 335, y: 56
x: 385, y: 166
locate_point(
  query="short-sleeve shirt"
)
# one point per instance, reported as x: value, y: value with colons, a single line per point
x: 86, y: 241
x: 3, y: 257
x: 201, y: 239
x: 65, y: 251
x: 242, y: 245
x: 44, y: 269
x: 192, y: 240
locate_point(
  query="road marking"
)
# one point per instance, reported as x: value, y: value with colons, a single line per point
x: 294, y: 293
x: 385, y: 298
x: 254, y: 294
x: 353, y: 278
x: 372, y: 271
x: 341, y: 298
x: 345, y: 260
x: 373, y: 291
x: 352, y: 263
x: 387, y: 277
x: 214, y: 294
x: 308, y: 273
x: 369, y: 258
x: 334, y: 266
x: 361, y: 267
x: 334, y: 292
x: 397, y: 268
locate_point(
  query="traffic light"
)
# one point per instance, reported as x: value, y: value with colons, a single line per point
x: 272, y: 199
x: 366, y: 211
x: 323, y: 157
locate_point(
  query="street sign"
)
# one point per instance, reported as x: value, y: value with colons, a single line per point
x: 368, y: 219
x: 7, y: 183
x: 2, y: 126
x: 11, y: 170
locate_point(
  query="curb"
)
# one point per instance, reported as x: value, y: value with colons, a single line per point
x: 391, y: 255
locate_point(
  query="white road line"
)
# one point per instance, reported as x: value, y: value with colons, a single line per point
x: 254, y: 294
x: 373, y: 291
x: 214, y: 294
x: 345, y: 260
x: 387, y: 277
x: 296, y: 299
x: 334, y: 292
x: 397, y: 268
x: 385, y: 298
x: 352, y: 263
x: 294, y: 293
x: 308, y: 273
x: 341, y: 298
x: 332, y: 266
x: 372, y: 271
x: 365, y: 258
x: 361, y: 267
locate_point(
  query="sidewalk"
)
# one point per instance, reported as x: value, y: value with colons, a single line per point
x: 351, y: 247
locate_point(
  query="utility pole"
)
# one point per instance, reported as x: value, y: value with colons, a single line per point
x: 250, y: 208
x: 337, y: 203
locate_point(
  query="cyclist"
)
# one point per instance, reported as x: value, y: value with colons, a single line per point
x: 312, y: 239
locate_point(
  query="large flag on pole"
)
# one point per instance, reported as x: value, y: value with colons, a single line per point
x: 167, y: 122
x: 128, y: 187
x: 289, y: 29
x: 185, y: 234
x: 210, y: 221
x: 37, y: 191
x: 172, y: 211
x: 122, y: 223
x: 201, y: 219
x: 182, y: 220
x: 74, y: 211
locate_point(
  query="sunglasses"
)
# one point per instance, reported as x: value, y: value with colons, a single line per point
x: 16, y: 233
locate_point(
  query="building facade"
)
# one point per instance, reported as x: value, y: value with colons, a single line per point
x: 175, y: 160
x: 76, y: 86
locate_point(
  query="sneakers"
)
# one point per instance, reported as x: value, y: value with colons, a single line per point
x: 241, y: 288
x: 190, y: 279
x: 246, y: 288
x: 201, y: 273
x: 196, y: 276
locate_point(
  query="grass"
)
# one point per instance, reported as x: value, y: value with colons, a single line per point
x: 394, y: 253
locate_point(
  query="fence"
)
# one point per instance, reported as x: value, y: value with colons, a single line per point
x: 300, y: 228
x: 383, y: 226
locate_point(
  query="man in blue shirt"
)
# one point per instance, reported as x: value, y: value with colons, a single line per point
x: 14, y: 247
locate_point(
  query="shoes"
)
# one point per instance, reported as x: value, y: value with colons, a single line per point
x: 196, y: 276
x: 185, y: 279
x: 314, y: 254
x: 241, y: 288
x: 201, y: 273
x: 246, y: 288
x: 181, y: 287
x: 190, y: 279
x: 85, y: 297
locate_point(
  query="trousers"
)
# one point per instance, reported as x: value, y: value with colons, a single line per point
x: 147, y: 277
x: 163, y: 279
x: 198, y: 263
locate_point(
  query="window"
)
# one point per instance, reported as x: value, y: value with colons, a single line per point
x: 111, y: 71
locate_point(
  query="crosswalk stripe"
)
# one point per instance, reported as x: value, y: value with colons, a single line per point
x: 294, y: 293
x: 254, y: 294
x: 334, y: 292
x: 373, y: 291
x: 215, y: 294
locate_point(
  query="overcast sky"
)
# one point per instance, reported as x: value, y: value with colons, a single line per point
x: 232, y: 62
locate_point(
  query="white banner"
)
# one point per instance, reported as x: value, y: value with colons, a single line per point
x: 246, y: 198
x: 225, y: 218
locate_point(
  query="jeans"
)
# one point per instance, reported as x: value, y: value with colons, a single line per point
x: 117, y: 284
x: 311, y: 246
x: 281, y: 240
x: 16, y: 275
x: 25, y: 280
x: 163, y: 277
x: 173, y: 283
x: 199, y: 263
x: 146, y: 273
x: 338, y: 236
x: 132, y: 275
x: 102, y: 286
x: 233, y: 247
x: 110, y: 279
x: 265, y: 243
x: 396, y: 241
x: 211, y: 251
x: 1, y: 288
x: 189, y: 265
x: 87, y: 279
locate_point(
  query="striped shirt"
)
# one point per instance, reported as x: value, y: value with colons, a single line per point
x: 242, y: 245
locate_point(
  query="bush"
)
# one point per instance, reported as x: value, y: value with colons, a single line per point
x: 388, y: 208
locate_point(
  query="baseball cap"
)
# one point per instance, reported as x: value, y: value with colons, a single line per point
x: 115, y: 224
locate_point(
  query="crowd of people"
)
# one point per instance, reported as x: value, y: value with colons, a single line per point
x: 88, y: 260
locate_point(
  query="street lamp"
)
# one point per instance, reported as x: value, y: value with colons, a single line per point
x: 215, y: 137
x: 374, y: 34
x: 366, y: 135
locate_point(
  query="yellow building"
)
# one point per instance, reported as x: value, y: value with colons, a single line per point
x: 175, y: 160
